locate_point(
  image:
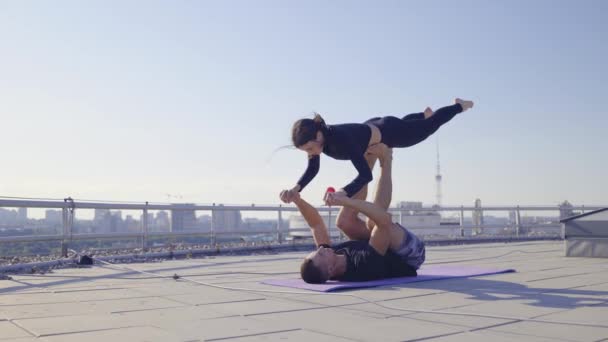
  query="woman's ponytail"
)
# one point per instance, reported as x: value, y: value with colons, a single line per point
x: 320, y: 123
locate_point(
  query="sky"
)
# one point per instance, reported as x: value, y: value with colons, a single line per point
x: 188, y: 101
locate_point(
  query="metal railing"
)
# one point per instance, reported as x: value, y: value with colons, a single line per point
x: 69, y: 208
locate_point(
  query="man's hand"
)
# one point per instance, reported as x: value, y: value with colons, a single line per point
x: 288, y: 196
x: 295, y: 196
x: 336, y: 198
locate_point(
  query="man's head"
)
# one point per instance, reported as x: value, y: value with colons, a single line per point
x: 319, y: 266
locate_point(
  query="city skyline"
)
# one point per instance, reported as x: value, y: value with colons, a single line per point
x: 184, y: 213
x: 133, y: 101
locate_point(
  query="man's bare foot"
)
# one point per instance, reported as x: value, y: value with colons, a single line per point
x: 380, y: 151
x: 464, y: 103
x: 428, y: 112
x: 336, y: 198
x: 374, y: 150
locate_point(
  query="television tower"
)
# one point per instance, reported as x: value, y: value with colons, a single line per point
x: 438, y: 178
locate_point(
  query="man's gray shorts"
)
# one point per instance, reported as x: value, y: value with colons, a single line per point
x: 411, y: 249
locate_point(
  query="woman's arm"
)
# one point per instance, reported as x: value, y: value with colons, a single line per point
x: 312, y: 169
x: 364, y: 176
x: 287, y: 196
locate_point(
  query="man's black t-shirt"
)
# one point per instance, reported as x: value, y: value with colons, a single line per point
x: 364, y: 263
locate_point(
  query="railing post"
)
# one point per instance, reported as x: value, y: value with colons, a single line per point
x: 212, y: 242
x: 461, y: 221
x: 71, y: 216
x: 517, y: 222
x: 401, y: 216
x: 64, y: 242
x: 68, y: 222
x: 144, y: 237
x: 280, y: 219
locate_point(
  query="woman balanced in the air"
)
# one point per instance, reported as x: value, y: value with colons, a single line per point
x: 351, y: 141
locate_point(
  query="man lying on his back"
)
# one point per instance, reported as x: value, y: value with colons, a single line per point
x: 390, y: 251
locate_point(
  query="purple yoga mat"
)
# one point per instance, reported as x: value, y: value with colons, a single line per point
x: 425, y: 273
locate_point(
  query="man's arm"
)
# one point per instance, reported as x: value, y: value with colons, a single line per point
x: 314, y: 220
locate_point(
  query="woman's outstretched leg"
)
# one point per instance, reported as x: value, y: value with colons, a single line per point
x: 419, y: 116
x: 445, y: 114
x: 414, y: 116
x: 407, y: 132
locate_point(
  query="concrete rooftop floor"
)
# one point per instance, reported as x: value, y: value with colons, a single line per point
x: 549, y: 298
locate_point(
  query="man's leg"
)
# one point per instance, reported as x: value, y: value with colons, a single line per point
x: 385, y: 235
x: 384, y: 186
x: 348, y: 220
x: 384, y: 192
x: 402, y: 241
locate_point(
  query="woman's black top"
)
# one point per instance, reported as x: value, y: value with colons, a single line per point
x: 344, y: 142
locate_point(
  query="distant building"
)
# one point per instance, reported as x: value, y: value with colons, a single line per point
x: 226, y: 220
x: 53, y: 217
x: 131, y: 224
x: 162, y: 216
x: 409, y: 205
x: 162, y: 222
x: 106, y: 221
x: 419, y: 221
x: 153, y: 223
x: 22, y: 215
x: 8, y: 217
x: 258, y: 225
x: 412, y: 215
x: 299, y: 228
x: 102, y: 220
x: 115, y: 222
x: 204, y: 222
x: 184, y: 218
x: 101, y: 214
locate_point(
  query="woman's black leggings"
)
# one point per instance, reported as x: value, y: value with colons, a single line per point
x: 412, y: 128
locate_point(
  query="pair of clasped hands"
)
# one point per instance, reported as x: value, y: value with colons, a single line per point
x: 331, y: 196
